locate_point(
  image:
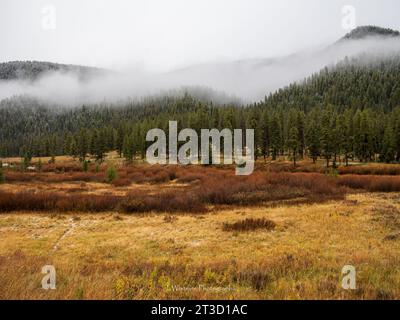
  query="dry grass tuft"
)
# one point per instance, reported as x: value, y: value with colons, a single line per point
x: 250, y: 225
x: 170, y: 219
x: 117, y: 217
x: 387, y: 214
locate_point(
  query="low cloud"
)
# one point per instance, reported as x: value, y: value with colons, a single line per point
x: 248, y: 80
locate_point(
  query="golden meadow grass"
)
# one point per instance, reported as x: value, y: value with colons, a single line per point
x: 212, y: 244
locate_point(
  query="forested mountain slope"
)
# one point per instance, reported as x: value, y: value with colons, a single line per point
x: 252, y: 78
x: 350, y: 110
x: 32, y: 70
x: 370, y: 31
x: 365, y: 81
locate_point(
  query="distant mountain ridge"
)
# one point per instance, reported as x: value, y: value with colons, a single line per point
x: 248, y: 79
x: 252, y: 78
x: 32, y: 70
x: 363, y: 32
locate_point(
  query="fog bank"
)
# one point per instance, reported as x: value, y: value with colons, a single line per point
x: 248, y: 80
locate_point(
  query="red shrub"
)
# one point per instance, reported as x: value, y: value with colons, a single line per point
x: 121, y: 182
x: 68, y: 167
x: 53, y: 201
x: 54, y: 177
x: 371, y: 169
x: 19, y: 176
x: 260, y: 187
x: 371, y: 183
x: 162, y: 202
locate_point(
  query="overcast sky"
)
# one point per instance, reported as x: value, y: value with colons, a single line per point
x: 165, y: 34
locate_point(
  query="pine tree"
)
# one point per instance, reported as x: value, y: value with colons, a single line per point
x: 128, y: 149
x: 40, y: 165
x: 82, y: 144
x: 111, y: 174
x: 337, y: 139
x: 300, y: 123
x: 348, y: 139
x: 85, y: 165
x: 120, y: 135
x: 327, y: 147
x: 26, y: 161
x: 265, y: 135
x: 276, y: 140
x: 388, y: 153
x: 98, y: 144
x: 254, y: 123
x: 363, y: 140
x: 313, y: 140
x: 396, y: 128
x: 294, y: 143
x: 2, y: 177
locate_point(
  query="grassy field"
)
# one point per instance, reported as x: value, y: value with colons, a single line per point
x: 200, y: 233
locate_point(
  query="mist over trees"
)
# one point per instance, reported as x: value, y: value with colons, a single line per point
x: 346, y: 111
x: 32, y: 70
x: 350, y: 111
x: 368, y: 31
x: 248, y: 79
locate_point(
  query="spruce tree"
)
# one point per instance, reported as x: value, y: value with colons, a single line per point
x: 294, y: 143
x: 111, y: 174
x: 128, y: 148
x: 2, y: 177
x: 313, y: 140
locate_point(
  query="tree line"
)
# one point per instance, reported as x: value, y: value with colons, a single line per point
x: 350, y: 111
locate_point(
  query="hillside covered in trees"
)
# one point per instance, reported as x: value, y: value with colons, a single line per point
x: 370, y: 31
x: 32, y: 70
x: 350, y: 110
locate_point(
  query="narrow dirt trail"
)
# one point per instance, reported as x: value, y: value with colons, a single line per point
x: 72, y: 226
